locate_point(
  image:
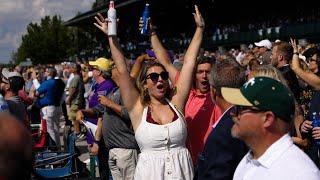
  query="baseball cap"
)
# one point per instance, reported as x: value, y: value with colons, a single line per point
x: 264, y: 43
x: 102, y: 63
x: 7, y: 74
x: 15, y: 79
x: 266, y: 94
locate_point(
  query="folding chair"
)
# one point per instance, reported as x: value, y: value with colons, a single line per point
x: 52, y: 165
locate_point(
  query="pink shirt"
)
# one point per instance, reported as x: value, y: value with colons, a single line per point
x: 200, y: 114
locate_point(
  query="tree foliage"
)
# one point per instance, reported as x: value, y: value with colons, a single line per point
x: 47, y: 42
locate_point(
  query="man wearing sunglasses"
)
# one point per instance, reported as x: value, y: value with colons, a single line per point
x: 263, y: 112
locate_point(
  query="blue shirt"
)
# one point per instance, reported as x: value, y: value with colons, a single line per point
x: 47, y: 89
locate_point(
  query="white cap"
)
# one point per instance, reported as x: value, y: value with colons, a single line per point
x: 7, y: 74
x: 264, y: 43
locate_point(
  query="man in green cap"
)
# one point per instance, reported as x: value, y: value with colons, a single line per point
x: 263, y: 112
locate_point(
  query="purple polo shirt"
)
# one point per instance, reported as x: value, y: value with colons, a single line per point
x: 104, y: 88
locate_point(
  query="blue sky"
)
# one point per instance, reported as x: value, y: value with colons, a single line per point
x: 15, y: 15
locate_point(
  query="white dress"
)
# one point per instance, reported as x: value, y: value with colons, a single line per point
x: 163, y: 153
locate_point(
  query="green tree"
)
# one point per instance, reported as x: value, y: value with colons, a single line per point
x: 47, y: 42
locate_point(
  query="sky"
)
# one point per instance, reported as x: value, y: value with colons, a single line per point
x: 15, y: 15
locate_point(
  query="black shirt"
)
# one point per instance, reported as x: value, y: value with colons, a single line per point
x: 292, y: 80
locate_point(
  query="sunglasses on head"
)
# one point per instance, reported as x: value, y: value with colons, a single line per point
x: 239, y: 110
x: 155, y: 76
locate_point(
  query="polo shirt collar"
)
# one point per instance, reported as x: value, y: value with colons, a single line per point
x: 272, y: 153
x: 194, y: 92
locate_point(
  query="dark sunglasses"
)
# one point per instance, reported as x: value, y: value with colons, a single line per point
x: 239, y: 110
x: 155, y: 76
x: 91, y: 68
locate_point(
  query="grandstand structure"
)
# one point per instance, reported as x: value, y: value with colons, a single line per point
x: 228, y: 23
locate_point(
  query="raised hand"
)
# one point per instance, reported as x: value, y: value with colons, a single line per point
x: 198, y: 17
x: 294, y: 45
x: 151, y: 26
x: 102, y: 23
x: 145, y: 57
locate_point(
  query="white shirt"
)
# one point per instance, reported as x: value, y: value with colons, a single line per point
x: 68, y: 83
x: 216, y: 123
x: 282, y: 160
x: 69, y: 80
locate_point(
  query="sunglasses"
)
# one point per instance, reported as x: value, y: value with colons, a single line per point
x: 155, y: 76
x: 91, y: 68
x: 239, y: 110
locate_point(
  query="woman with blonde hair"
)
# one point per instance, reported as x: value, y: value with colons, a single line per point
x: 269, y: 71
x: 155, y: 110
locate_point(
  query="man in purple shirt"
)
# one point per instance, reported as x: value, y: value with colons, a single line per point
x: 103, y: 85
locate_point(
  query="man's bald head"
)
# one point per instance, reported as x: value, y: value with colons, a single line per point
x: 15, y: 149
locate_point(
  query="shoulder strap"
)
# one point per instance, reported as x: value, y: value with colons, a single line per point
x: 174, y: 107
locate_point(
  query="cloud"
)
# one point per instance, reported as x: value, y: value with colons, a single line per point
x: 15, y: 15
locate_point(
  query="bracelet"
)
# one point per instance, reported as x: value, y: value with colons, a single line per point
x: 296, y: 53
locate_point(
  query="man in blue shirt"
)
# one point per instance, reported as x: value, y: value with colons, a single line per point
x: 46, y: 91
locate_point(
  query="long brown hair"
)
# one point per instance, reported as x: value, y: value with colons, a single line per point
x: 142, y: 79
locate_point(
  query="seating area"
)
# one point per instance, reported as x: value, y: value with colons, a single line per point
x: 54, y: 164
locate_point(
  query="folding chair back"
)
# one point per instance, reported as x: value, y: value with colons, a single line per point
x: 47, y: 164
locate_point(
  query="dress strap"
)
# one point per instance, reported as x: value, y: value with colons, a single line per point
x: 143, y: 120
x: 177, y: 111
x: 144, y: 114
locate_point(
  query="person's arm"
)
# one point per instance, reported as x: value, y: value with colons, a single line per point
x: 161, y: 52
x: 98, y: 134
x: 110, y: 104
x: 135, y: 70
x: 72, y: 90
x: 128, y: 91
x: 309, y: 77
x: 90, y: 113
x: 120, y: 110
x: 42, y: 89
x: 298, y: 140
x: 184, y: 82
x: 35, y: 81
x: 70, y: 96
x: 97, y: 138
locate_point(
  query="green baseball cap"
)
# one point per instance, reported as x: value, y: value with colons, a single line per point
x: 264, y: 93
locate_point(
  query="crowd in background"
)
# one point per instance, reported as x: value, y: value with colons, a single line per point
x: 166, y: 115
